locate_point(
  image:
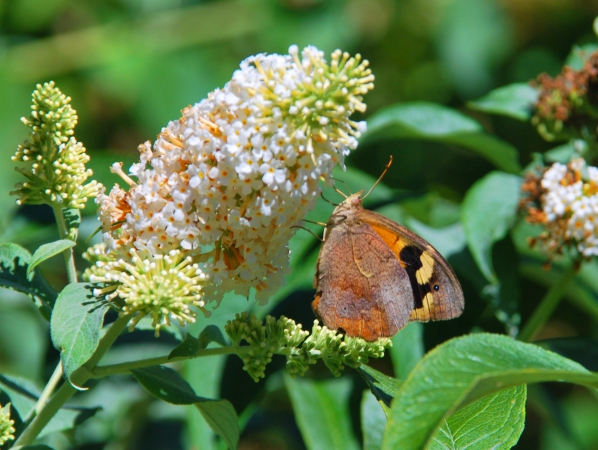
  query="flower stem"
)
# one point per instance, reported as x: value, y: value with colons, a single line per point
x: 66, y: 391
x: 69, y: 257
x: 116, y: 369
x: 547, y: 306
x: 45, y: 415
x: 47, y: 392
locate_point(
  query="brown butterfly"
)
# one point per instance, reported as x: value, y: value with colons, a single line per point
x: 374, y: 275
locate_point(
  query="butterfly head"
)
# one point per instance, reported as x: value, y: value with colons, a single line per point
x: 346, y: 209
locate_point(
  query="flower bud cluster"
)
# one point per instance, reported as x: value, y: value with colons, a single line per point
x: 228, y: 181
x: 163, y: 287
x: 7, y: 429
x: 284, y: 336
x: 57, y: 174
x: 280, y: 336
x: 336, y: 350
x: 565, y: 202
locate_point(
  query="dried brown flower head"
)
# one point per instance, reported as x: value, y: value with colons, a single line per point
x: 567, y: 106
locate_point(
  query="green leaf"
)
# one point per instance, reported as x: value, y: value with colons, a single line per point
x: 566, y: 152
x: 495, y: 421
x: 431, y: 122
x: 579, y: 55
x: 448, y: 240
x: 167, y: 385
x: 407, y: 349
x: 46, y: 251
x: 373, y: 422
x: 488, y: 212
x: 500, y: 153
x: 419, y: 119
x: 382, y: 386
x: 462, y: 371
x: 23, y: 393
x: 222, y: 418
x: 76, y: 323
x: 14, y: 261
x: 35, y: 447
x: 514, y: 100
x: 322, y: 412
x: 189, y: 347
x: 211, y: 333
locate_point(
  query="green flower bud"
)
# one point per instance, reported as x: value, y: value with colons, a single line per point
x: 57, y: 173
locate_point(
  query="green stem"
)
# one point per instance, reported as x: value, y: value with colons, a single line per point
x: 116, y: 369
x: 61, y: 396
x: 47, y: 392
x: 547, y: 306
x: 106, y: 342
x: 69, y: 256
x: 66, y: 391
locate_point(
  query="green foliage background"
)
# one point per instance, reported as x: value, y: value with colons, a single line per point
x: 131, y: 65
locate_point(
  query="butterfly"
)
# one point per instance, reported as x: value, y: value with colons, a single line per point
x: 374, y: 276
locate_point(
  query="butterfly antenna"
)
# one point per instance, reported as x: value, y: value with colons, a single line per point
x: 346, y: 185
x: 379, y: 178
x: 341, y: 192
x: 309, y: 231
x: 314, y: 222
x: 326, y: 200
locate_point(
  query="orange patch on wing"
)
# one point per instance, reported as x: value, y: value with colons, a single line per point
x: 370, y: 330
x: 392, y: 239
x: 314, y: 304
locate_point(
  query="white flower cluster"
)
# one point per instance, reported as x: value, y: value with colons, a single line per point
x: 227, y: 181
x: 573, y: 197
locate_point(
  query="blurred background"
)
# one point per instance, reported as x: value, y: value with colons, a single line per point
x: 130, y: 66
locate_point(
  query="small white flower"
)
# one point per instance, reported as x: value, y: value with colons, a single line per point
x: 574, y: 200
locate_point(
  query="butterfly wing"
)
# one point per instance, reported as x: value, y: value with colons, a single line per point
x: 435, y: 288
x: 361, y: 286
